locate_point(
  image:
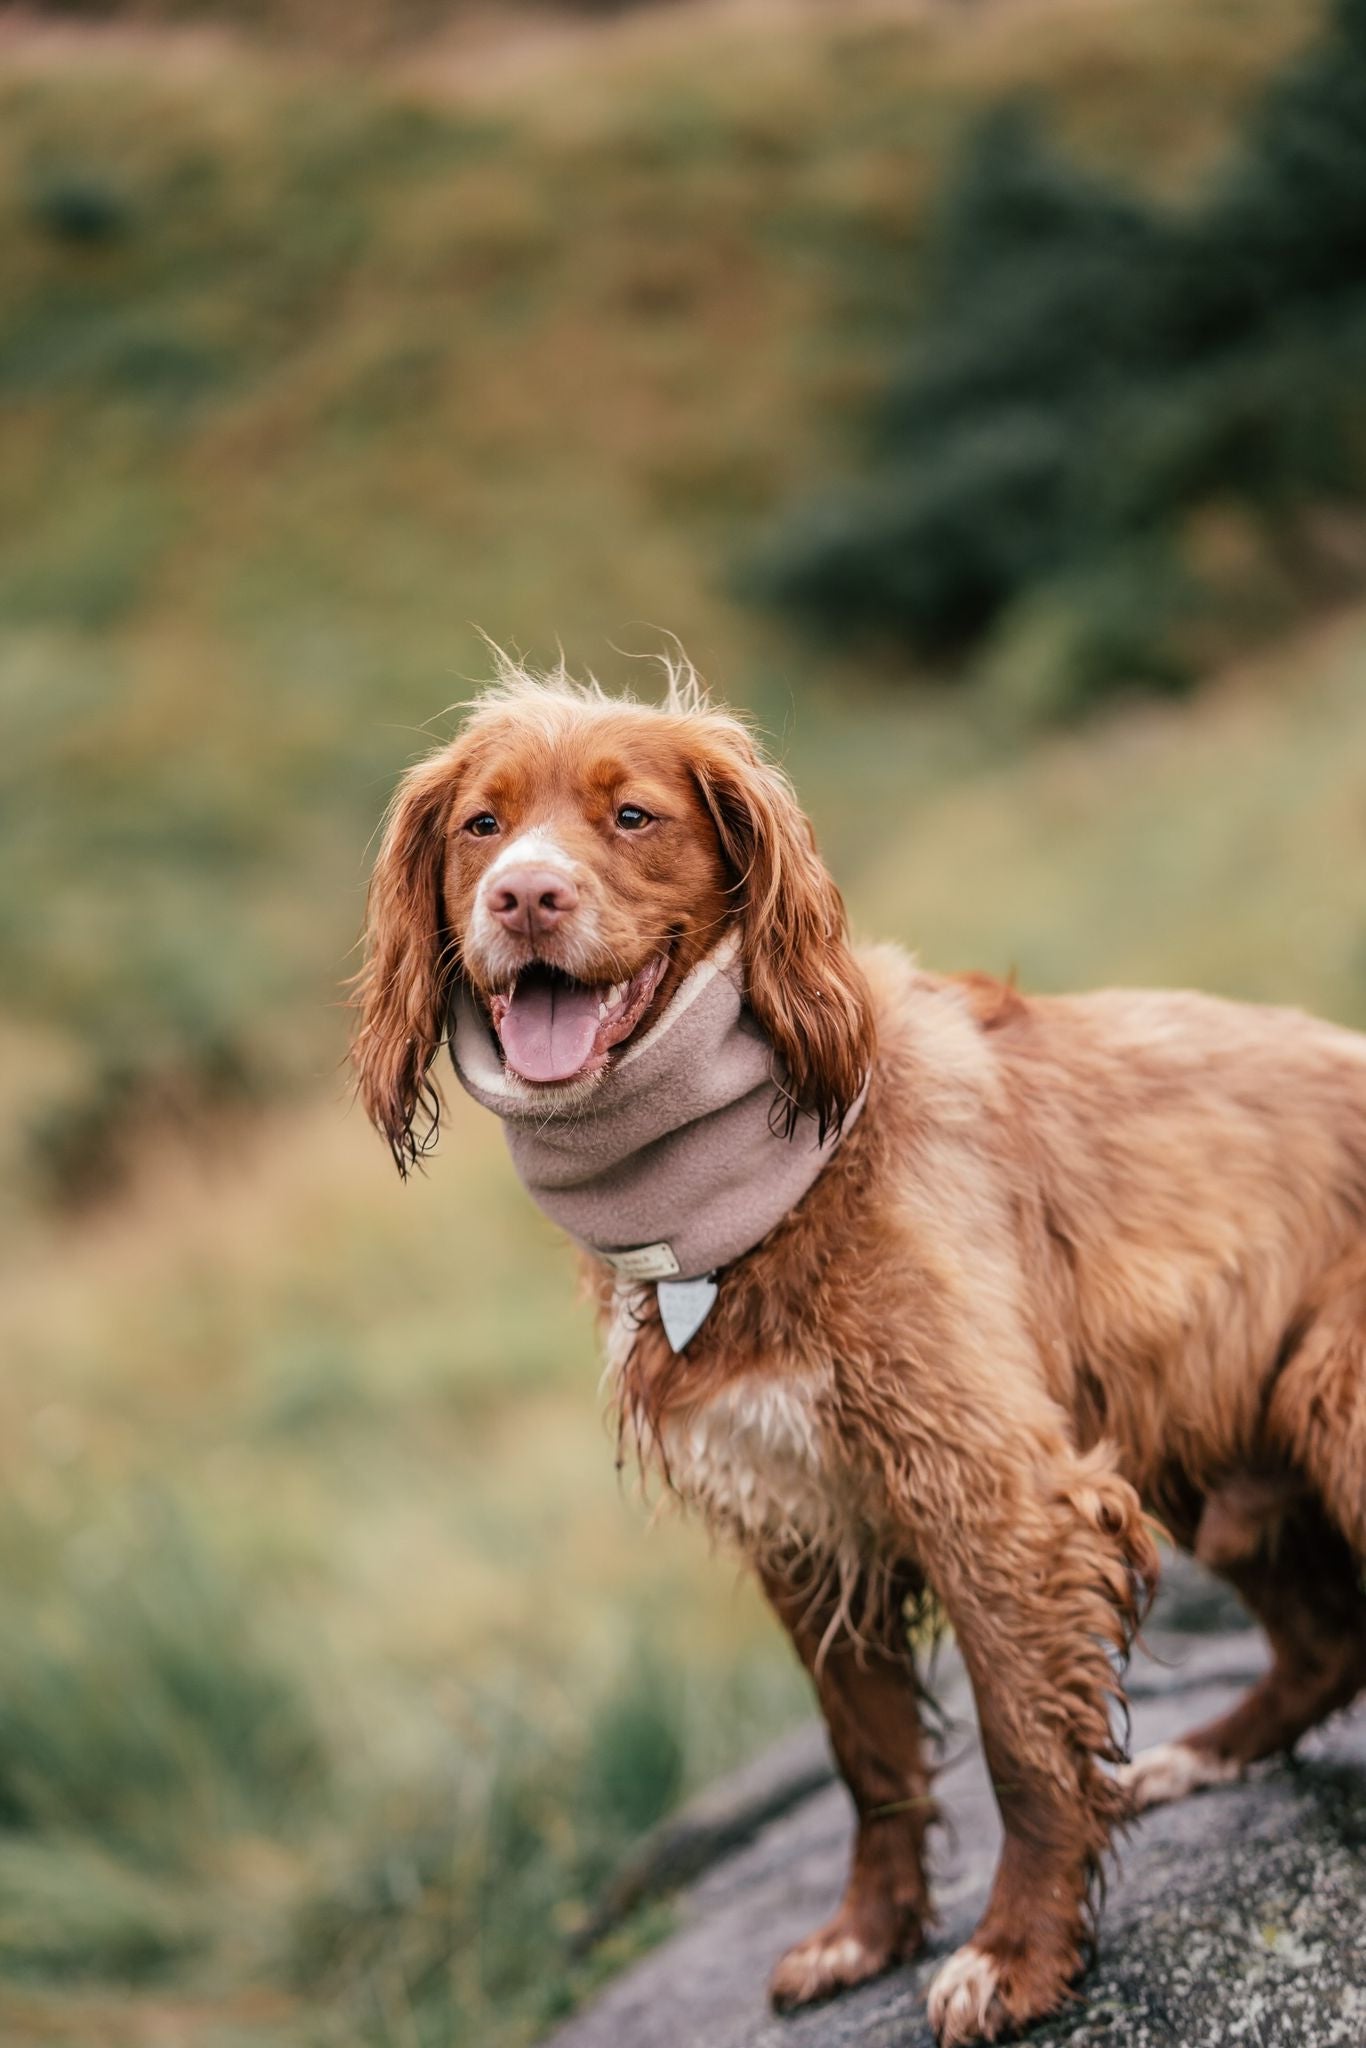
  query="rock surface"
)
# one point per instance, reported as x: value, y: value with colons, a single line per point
x: 1236, y: 1917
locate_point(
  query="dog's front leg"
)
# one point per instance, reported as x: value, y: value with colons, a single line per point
x: 853, y: 1641
x: 1040, y: 1557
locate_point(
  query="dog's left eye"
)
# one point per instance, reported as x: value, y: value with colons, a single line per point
x: 482, y: 825
x: 631, y: 817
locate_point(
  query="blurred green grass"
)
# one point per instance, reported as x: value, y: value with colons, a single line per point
x: 335, y: 1668
x: 335, y: 1673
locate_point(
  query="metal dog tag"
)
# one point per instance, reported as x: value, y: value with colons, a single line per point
x: 684, y: 1306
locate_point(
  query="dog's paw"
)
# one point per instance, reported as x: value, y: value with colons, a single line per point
x: 964, y: 1999
x: 833, y: 1959
x: 1170, y: 1771
x: 975, y: 1997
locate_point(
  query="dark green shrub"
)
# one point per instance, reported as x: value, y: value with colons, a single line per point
x: 81, y: 206
x: 1090, y: 371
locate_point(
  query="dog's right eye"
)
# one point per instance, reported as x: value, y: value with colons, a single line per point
x: 482, y: 825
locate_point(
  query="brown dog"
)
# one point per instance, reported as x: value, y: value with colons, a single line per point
x: 1049, y: 1262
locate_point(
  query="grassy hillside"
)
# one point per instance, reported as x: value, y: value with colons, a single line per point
x: 305, y: 375
x: 1220, y: 849
x: 334, y: 1668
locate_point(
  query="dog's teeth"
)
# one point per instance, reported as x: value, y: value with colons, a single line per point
x: 602, y: 1011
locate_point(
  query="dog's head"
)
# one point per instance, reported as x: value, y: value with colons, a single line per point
x: 571, y: 856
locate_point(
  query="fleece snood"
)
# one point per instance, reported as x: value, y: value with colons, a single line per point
x: 674, y: 1163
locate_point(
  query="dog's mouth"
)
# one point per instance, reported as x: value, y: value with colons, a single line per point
x: 553, y: 1028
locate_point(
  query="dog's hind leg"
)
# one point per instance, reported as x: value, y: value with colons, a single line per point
x: 857, y: 1653
x: 1316, y: 1416
x: 1303, y: 1573
x: 1305, y: 1588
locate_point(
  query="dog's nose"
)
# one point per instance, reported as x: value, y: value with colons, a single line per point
x: 531, y: 901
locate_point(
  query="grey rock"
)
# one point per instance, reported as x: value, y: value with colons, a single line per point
x: 1236, y: 1919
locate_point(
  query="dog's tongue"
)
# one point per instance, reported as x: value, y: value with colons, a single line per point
x: 549, y: 1029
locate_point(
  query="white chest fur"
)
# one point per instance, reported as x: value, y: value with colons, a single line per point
x: 755, y: 1461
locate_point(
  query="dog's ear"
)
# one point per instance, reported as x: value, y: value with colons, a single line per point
x: 403, y: 991
x: 802, y: 981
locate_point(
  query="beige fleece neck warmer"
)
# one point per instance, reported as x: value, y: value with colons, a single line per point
x: 674, y: 1164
